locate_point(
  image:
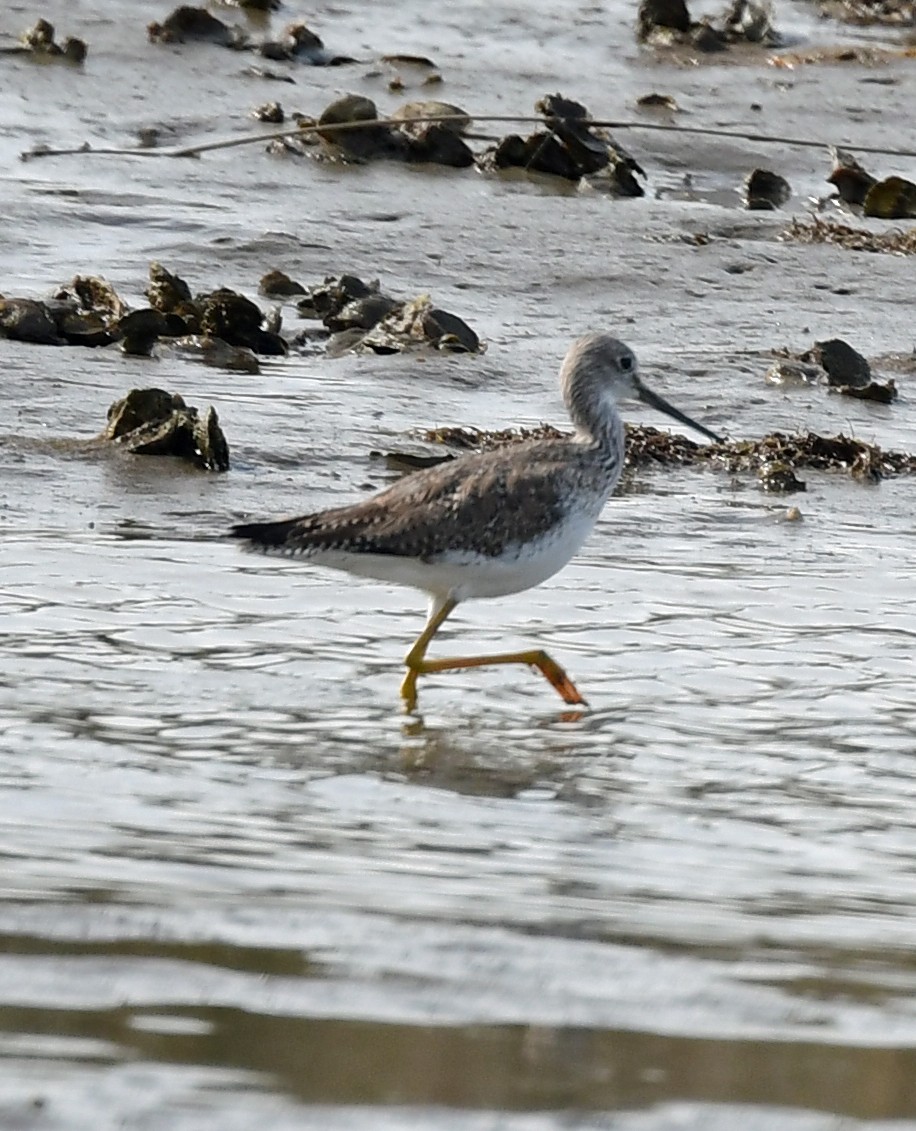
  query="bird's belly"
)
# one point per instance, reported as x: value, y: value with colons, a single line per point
x: 465, y: 574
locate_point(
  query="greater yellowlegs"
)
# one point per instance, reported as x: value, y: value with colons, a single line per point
x: 489, y: 523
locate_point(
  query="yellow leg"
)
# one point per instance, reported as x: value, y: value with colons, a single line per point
x: 418, y: 665
x: 415, y: 657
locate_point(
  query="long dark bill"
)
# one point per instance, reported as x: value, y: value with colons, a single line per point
x: 646, y: 394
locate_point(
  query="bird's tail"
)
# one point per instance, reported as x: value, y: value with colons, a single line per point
x: 265, y: 535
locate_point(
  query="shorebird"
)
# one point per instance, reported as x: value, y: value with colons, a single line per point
x: 489, y: 523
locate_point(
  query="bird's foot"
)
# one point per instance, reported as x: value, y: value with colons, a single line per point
x: 409, y: 691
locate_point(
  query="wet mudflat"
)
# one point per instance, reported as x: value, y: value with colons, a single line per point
x: 238, y: 885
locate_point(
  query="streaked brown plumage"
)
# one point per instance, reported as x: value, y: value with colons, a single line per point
x: 485, y: 524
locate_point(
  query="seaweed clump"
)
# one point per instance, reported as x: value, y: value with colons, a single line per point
x: 648, y: 446
x: 897, y: 242
x: 894, y: 13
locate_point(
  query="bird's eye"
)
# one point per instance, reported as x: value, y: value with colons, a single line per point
x: 626, y: 363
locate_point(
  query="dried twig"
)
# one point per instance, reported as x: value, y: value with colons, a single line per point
x: 658, y: 127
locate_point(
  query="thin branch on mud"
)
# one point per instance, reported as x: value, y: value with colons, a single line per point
x: 368, y: 124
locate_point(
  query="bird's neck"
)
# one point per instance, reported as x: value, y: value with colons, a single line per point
x: 605, y: 439
x: 597, y: 422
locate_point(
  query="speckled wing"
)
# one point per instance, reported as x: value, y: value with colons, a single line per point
x: 479, y: 503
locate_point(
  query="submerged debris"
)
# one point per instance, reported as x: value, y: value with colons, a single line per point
x: 816, y: 230
x: 212, y: 351
x: 848, y: 53
x: 644, y: 444
x: 154, y: 422
x: 362, y: 319
x: 787, y: 372
x: 819, y: 453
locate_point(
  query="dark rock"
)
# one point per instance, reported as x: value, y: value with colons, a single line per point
x: 269, y: 112
x: 155, y: 422
x: 881, y: 392
x: 355, y: 140
x: 568, y: 121
x: 459, y: 120
x: 439, y: 145
x: 278, y: 285
x: 894, y: 198
x: 226, y: 314
x: 765, y: 190
x: 27, y: 320
x: 661, y: 13
x: 166, y: 291
x: 449, y: 332
x: 362, y: 313
x: 843, y: 364
x: 333, y: 294
x: 706, y: 38
x: 751, y: 22
x: 141, y: 329
x: 539, y: 153
x: 851, y: 180
x: 779, y: 477
x: 187, y: 23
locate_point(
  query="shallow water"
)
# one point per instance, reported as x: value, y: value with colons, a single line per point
x: 238, y: 885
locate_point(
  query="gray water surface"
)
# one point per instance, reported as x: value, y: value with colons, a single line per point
x: 238, y: 886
